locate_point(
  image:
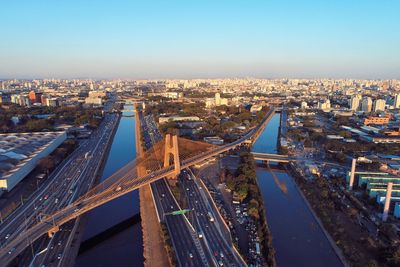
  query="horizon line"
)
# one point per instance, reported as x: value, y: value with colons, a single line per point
x: 214, y: 78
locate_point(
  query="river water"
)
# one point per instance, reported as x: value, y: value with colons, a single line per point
x: 297, y: 238
x: 125, y: 248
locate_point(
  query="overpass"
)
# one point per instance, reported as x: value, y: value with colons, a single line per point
x: 271, y: 157
x: 165, y: 159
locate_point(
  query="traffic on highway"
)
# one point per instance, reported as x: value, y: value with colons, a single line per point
x: 73, y: 177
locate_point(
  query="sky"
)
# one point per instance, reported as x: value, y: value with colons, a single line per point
x: 187, y: 39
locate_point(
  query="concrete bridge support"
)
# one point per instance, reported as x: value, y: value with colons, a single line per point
x: 387, y: 202
x: 52, y: 231
x: 352, y: 173
x: 171, y: 149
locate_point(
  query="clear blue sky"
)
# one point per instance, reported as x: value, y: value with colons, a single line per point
x: 200, y: 39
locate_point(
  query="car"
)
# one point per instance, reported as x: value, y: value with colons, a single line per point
x: 200, y: 235
x: 59, y: 256
x: 221, y: 263
x: 190, y: 255
x: 118, y: 188
x: 7, y: 236
x: 11, y: 250
x: 216, y: 253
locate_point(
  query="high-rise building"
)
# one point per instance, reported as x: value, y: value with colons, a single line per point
x: 355, y: 102
x: 5, y: 98
x: 325, y: 105
x: 217, y: 99
x: 397, y: 101
x: 35, y: 97
x: 44, y: 100
x: 366, y: 104
x: 379, y: 105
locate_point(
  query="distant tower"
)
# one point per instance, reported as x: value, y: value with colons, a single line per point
x: 355, y: 102
x: 387, y: 202
x: 397, y: 101
x: 379, y: 105
x: 366, y: 104
x: 217, y: 99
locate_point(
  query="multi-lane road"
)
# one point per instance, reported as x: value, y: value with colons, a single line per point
x: 125, y: 181
x: 208, y: 223
x: 74, y: 176
x: 200, y: 244
x: 185, y: 240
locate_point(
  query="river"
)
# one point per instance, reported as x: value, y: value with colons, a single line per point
x: 297, y: 238
x: 125, y: 248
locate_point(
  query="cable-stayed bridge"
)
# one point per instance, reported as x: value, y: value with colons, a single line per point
x: 164, y: 159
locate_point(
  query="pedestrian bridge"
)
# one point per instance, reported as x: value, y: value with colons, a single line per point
x: 165, y: 159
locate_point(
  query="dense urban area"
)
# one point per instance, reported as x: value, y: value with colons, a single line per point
x: 338, y: 141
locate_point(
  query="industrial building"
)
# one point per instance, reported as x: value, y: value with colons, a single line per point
x: 21, y: 152
x: 376, y: 184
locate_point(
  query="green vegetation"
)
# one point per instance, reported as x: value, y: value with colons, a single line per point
x: 356, y: 147
x: 58, y: 115
x: 48, y: 163
x: 168, y: 245
x: 245, y: 188
x: 342, y: 224
x: 177, y: 108
x: 217, y: 122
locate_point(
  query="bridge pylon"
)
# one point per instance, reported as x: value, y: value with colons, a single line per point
x: 171, y: 149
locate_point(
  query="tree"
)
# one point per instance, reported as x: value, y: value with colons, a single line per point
x: 394, y: 260
x: 372, y: 263
x: 253, y: 212
x: 222, y: 176
x: 47, y: 163
x: 242, y: 192
x: 227, y: 125
x: 307, y: 143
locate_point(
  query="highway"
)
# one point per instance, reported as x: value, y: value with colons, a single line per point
x: 123, y: 182
x: 185, y: 241
x: 71, y: 178
x: 208, y: 223
x: 210, y: 245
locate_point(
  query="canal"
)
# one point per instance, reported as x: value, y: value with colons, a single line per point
x: 125, y: 248
x: 297, y: 238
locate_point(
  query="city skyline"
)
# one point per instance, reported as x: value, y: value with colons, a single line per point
x: 200, y: 40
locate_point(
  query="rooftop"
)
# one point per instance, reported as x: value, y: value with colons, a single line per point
x: 18, y: 148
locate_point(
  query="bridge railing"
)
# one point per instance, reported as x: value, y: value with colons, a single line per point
x: 122, y: 182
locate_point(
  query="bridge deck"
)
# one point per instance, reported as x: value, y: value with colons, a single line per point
x: 122, y: 182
